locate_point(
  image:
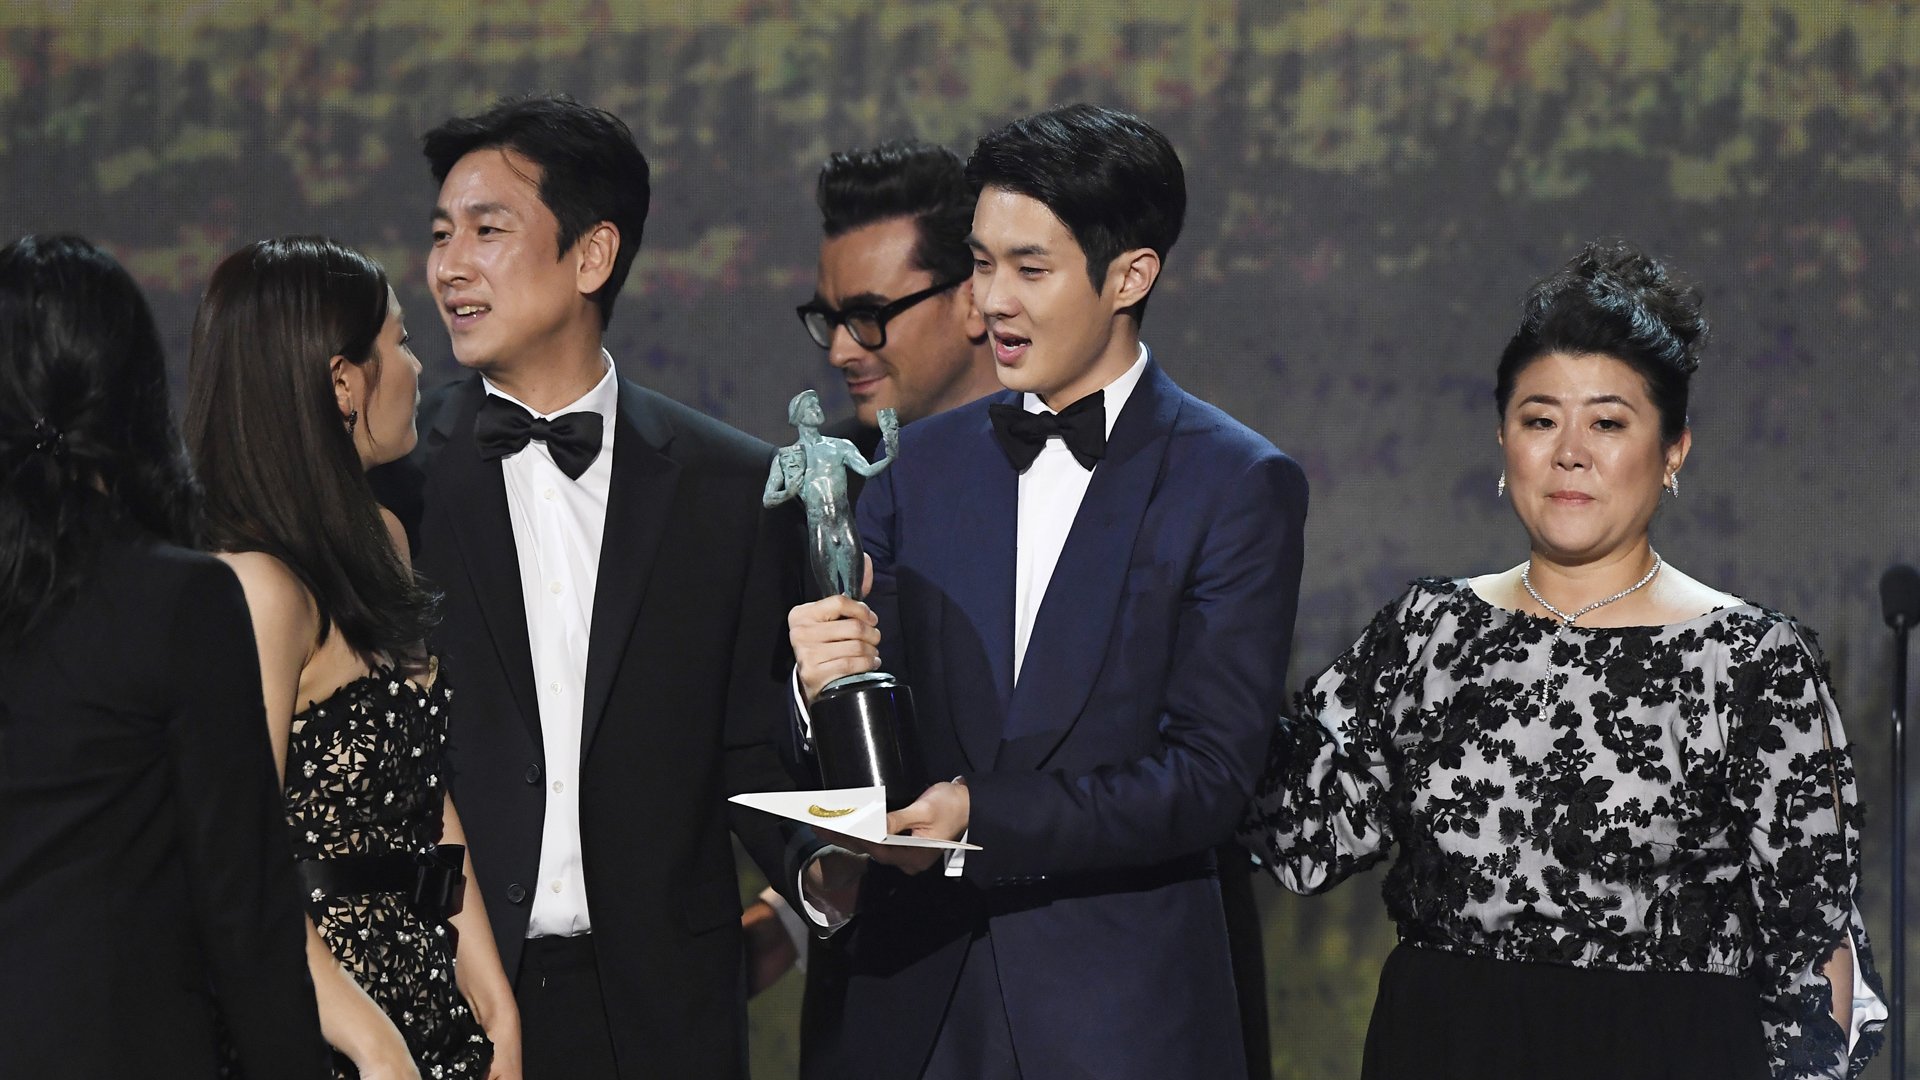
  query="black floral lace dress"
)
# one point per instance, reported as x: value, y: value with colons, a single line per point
x: 1651, y: 799
x: 364, y: 777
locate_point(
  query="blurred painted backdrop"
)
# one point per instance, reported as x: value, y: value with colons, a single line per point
x: 1374, y: 185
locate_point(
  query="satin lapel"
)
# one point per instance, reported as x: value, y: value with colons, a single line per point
x: 473, y: 495
x: 974, y: 521
x: 1075, y: 621
x: 639, y: 499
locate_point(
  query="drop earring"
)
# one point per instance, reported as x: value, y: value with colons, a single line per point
x: 353, y: 418
x: 1673, y: 484
x: 1501, y: 491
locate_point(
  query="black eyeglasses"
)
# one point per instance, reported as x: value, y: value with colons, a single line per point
x: 868, y: 325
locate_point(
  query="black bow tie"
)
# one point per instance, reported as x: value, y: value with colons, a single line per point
x: 503, y: 428
x: 1081, y: 425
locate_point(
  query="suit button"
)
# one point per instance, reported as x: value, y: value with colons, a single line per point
x: 515, y: 894
x: 533, y: 774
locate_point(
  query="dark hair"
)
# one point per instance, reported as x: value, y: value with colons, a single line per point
x: 903, y: 179
x: 1109, y: 176
x: 88, y: 448
x: 590, y: 169
x: 1614, y: 300
x: 281, y: 472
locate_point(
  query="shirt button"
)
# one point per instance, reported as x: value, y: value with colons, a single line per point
x: 559, y: 786
x: 555, y: 886
x: 554, y: 686
x: 515, y: 894
x: 547, y: 494
x: 533, y: 774
x: 554, y: 588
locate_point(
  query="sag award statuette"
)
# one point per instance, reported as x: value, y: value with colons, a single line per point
x: 857, y: 721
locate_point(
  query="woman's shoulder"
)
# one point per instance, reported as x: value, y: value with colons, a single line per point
x: 1421, y: 607
x: 275, y: 594
x: 1426, y: 594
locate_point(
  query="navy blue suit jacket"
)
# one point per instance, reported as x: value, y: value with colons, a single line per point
x: 1129, y: 749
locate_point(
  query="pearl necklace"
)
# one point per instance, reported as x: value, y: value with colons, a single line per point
x: 1526, y: 578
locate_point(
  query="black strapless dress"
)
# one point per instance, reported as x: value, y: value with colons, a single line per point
x: 365, y: 787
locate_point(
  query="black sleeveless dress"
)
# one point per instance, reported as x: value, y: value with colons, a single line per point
x: 365, y: 781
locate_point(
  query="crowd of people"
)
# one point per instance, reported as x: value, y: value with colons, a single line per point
x: 349, y: 730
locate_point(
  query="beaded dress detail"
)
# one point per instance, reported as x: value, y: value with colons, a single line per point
x: 366, y: 776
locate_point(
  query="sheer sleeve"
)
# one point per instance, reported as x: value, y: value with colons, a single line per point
x: 1319, y: 814
x: 1791, y: 783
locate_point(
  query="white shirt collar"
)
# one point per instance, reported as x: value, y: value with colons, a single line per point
x: 604, y: 398
x: 1118, y: 391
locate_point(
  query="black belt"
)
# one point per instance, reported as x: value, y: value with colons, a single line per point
x: 431, y: 882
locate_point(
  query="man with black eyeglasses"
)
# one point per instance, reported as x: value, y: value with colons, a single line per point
x: 892, y: 309
x: 888, y: 306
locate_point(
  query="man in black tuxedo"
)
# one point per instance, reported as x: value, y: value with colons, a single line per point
x: 615, y: 612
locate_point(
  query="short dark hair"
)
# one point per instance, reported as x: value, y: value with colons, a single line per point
x: 281, y: 472
x: 1614, y: 300
x: 590, y: 169
x: 1109, y: 176
x: 903, y: 179
x: 88, y: 447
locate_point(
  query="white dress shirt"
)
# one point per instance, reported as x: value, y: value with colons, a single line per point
x: 557, y: 528
x: 1050, y: 493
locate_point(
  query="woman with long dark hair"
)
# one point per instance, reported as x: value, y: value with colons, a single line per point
x: 300, y: 380
x: 146, y: 891
x: 1629, y: 840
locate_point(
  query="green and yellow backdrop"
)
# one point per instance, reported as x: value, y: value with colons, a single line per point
x: 1374, y: 185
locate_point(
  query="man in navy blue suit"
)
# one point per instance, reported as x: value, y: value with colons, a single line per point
x: 1089, y: 581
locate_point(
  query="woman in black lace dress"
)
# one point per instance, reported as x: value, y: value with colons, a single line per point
x: 300, y: 380
x: 1628, y: 834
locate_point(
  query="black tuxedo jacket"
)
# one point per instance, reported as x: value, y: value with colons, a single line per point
x: 686, y: 675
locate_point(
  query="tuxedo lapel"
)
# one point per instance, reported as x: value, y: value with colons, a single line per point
x: 639, y: 499
x: 1075, y: 621
x: 974, y: 518
x: 473, y: 494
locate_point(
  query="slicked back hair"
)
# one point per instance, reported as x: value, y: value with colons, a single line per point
x: 903, y: 179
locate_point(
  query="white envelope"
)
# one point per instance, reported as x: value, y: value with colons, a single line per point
x: 858, y: 812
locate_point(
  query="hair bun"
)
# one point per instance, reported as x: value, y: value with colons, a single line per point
x: 1667, y: 315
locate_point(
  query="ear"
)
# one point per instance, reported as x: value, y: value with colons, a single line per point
x: 971, y: 319
x: 1677, y: 453
x: 349, y: 384
x: 1131, y: 276
x: 594, y: 254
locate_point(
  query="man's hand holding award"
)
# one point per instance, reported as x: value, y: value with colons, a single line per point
x: 859, y: 719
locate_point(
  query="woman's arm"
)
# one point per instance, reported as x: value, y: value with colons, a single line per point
x: 1791, y: 783
x: 1839, y: 974
x: 286, y: 626
x: 477, y: 969
x: 1320, y: 812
